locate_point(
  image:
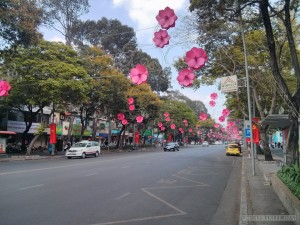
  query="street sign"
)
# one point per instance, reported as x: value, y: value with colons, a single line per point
x: 247, y: 133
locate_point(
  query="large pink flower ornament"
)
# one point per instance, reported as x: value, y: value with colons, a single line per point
x: 162, y: 128
x: 185, y: 121
x: 161, y: 38
x: 225, y: 112
x: 212, y: 103
x: 223, y: 129
x: 186, y: 77
x: 216, y: 125
x: 130, y: 101
x: 222, y: 119
x: 190, y: 130
x: 131, y: 107
x: 186, y: 124
x: 139, y: 74
x: 159, y: 124
x: 139, y: 119
x: 124, y: 122
x: 203, y: 116
x: 196, y: 58
x: 166, y: 114
x: 173, y: 126
x: 168, y: 119
x: 4, y: 88
x: 121, y: 116
x: 166, y: 18
x: 213, y: 96
x: 230, y: 123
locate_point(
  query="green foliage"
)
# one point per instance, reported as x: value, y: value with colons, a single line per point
x: 290, y: 175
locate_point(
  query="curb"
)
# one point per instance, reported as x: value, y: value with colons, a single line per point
x: 33, y: 157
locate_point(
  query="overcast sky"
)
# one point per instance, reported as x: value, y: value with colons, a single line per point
x: 140, y: 15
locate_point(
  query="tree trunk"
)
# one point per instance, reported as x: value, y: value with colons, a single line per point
x: 265, y: 142
x: 28, y: 152
x: 292, y: 145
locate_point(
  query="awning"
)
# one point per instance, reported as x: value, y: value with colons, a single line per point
x: 7, y: 132
x: 277, y: 121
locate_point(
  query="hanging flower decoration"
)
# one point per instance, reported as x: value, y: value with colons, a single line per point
x: 168, y: 119
x: 4, y: 88
x: 203, y: 116
x: 230, y: 123
x: 186, y: 124
x: 190, y: 130
x: 130, y: 101
x: 212, y: 103
x: 225, y: 112
x: 186, y: 77
x: 139, y: 119
x: 121, y: 116
x: 223, y: 129
x: 166, y: 18
x: 124, y: 122
x: 160, y: 124
x: 161, y: 38
x: 181, y: 130
x: 222, y: 119
x: 139, y: 74
x: 166, y: 114
x: 216, y: 125
x: 162, y: 128
x: 196, y: 58
x: 131, y: 107
x: 185, y: 121
x: 213, y: 96
x: 173, y: 126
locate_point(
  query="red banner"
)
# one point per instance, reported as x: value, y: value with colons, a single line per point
x: 137, y: 137
x: 169, y: 137
x: 255, y: 131
x: 52, y: 133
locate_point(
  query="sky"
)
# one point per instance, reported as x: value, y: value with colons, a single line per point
x: 140, y: 15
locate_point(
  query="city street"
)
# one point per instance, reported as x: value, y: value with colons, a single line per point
x: 196, y: 185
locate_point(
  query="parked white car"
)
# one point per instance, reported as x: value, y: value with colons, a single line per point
x: 83, y: 149
x: 205, y: 144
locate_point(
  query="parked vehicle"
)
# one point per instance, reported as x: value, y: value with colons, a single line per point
x: 233, y: 149
x: 171, y: 146
x: 83, y: 149
x: 205, y: 144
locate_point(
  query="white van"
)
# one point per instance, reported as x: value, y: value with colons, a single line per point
x: 83, y: 149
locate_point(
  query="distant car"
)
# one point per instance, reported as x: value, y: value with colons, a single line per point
x: 233, y: 149
x: 83, y: 149
x: 171, y: 146
x: 205, y: 144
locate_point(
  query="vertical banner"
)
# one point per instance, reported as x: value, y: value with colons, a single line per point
x: 170, y: 138
x: 52, y: 133
x: 137, y: 137
x: 2, y: 145
x: 255, y: 131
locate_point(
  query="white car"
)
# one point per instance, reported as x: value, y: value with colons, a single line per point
x: 171, y: 146
x: 83, y: 149
x: 205, y: 144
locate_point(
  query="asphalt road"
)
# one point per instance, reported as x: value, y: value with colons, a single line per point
x: 194, y: 186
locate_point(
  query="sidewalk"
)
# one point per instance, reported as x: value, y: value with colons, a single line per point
x: 260, y: 204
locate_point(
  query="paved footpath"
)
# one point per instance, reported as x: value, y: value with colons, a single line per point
x: 260, y: 205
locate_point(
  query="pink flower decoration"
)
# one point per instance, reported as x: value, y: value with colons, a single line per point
x: 181, y: 129
x: 196, y: 58
x: 216, y: 125
x: 139, y: 119
x: 160, y: 124
x: 4, y: 88
x: 131, y: 107
x: 185, y: 121
x: 223, y: 129
x: 139, y: 74
x: 230, y: 124
x: 130, y: 101
x: 124, y: 122
x: 190, y: 130
x: 161, y: 38
x: 166, y: 18
x: 168, y: 119
x: 203, y: 116
x: 186, y: 124
x: 166, y: 114
x: 162, y: 128
x: 222, y: 119
x: 121, y: 116
x: 212, y: 103
x: 173, y: 126
x: 225, y: 112
x: 213, y: 96
x: 186, y: 77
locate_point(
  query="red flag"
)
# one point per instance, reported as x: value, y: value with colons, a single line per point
x: 52, y: 133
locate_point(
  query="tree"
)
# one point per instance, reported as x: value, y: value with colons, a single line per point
x: 49, y: 74
x: 64, y: 13
x: 19, y: 20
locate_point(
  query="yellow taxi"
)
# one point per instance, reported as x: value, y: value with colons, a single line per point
x: 232, y: 149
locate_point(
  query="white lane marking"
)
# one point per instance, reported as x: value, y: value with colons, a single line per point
x: 164, y: 181
x: 91, y: 174
x: 194, y: 181
x: 163, y: 201
x: 65, y: 166
x: 173, y: 187
x: 122, y: 196
x: 125, y: 167
x: 39, y: 185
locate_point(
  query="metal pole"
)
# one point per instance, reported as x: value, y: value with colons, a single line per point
x: 248, y: 90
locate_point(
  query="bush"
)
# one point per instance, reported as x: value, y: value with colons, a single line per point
x: 290, y: 175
